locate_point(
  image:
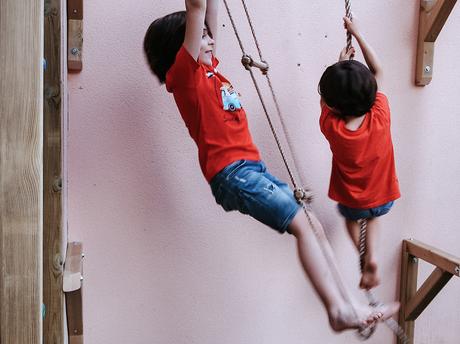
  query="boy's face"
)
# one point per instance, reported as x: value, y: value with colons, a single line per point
x: 206, y: 48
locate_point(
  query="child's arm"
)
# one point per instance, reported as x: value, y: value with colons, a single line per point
x: 212, y: 10
x: 196, y: 11
x: 368, y: 52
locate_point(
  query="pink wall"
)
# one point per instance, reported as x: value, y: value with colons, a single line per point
x: 164, y: 264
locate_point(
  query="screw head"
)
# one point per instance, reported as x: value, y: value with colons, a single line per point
x: 427, y: 69
x: 457, y: 270
x: 75, y: 51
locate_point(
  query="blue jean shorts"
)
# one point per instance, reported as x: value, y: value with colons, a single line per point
x: 246, y: 186
x: 357, y: 214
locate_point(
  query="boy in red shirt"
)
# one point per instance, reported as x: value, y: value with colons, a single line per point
x: 180, y: 50
x: 355, y: 119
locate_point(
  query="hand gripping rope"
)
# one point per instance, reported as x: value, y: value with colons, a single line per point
x: 304, y: 196
x: 373, y: 302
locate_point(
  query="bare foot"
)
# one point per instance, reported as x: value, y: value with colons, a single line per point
x: 370, y: 278
x: 385, y: 311
x: 348, y: 318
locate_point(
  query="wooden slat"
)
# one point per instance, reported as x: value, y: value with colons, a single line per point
x: 75, y: 45
x: 53, y: 260
x: 21, y: 187
x: 432, y: 255
x: 426, y: 293
x: 408, y: 288
x: 73, y: 276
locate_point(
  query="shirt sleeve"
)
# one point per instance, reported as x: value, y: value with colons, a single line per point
x: 381, y: 106
x: 322, y: 119
x: 182, y: 72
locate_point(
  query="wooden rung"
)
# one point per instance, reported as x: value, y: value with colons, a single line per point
x: 426, y: 293
x: 432, y: 255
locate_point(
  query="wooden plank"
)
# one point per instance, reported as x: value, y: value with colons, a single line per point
x: 75, y: 9
x: 75, y: 316
x: 435, y: 17
x: 53, y: 260
x: 73, y: 277
x: 408, y: 288
x: 432, y: 17
x: 432, y: 255
x: 21, y: 186
x: 426, y: 293
x: 75, y: 45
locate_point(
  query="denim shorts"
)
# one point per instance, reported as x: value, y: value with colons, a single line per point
x: 246, y: 186
x: 357, y: 214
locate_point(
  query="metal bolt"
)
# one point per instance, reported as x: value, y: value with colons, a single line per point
x: 427, y: 69
x: 75, y: 11
x: 82, y: 255
x: 75, y: 51
x: 457, y: 270
x: 81, y: 278
x: 75, y: 331
x: 414, y: 259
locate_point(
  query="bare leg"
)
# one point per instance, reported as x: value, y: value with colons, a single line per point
x: 342, y: 315
x: 370, y: 277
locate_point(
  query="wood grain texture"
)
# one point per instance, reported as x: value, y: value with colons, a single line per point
x: 53, y: 256
x: 21, y: 186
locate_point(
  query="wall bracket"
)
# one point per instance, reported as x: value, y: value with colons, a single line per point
x: 433, y: 16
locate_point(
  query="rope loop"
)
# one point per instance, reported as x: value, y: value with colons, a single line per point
x: 247, y: 61
x: 303, y: 195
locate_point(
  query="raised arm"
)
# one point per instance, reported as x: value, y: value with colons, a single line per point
x: 369, y: 54
x: 212, y: 10
x: 196, y: 11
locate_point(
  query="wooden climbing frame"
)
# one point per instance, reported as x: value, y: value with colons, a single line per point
x: 433, y: 16
x: 413, y: 301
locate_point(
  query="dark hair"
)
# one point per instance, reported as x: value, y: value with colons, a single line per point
x: 162, y: 41
x: 349, y: 87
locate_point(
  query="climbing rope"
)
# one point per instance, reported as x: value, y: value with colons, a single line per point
x: 304, y: 197
x: 373, y: 302
x: 350, y: 16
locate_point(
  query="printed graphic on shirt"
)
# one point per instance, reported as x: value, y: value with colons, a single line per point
x: 229, y: 98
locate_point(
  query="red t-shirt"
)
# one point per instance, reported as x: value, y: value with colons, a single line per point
x: 363, y: 164
x: 212, y: 113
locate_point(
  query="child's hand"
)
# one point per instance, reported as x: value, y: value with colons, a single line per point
x: 351, y: 26
x: 346, y: 55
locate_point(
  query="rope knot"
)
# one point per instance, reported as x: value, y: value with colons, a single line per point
x: 302, y: 195
x: 247, y: 61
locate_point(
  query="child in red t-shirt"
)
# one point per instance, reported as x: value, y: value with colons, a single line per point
x: 355, y: 119
x: 180, y: 50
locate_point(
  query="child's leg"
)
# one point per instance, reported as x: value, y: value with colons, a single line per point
x: 370, y: 277
x: 341, y: 314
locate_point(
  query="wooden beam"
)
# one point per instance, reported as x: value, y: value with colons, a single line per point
x: 426, y: 293
x: 75, y: 35
x: 408, y: 288
x: 432, y: 255
x: 433, y: 15
x: 21, y: 186
x: 53, y: 256
x: 73, y: 285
